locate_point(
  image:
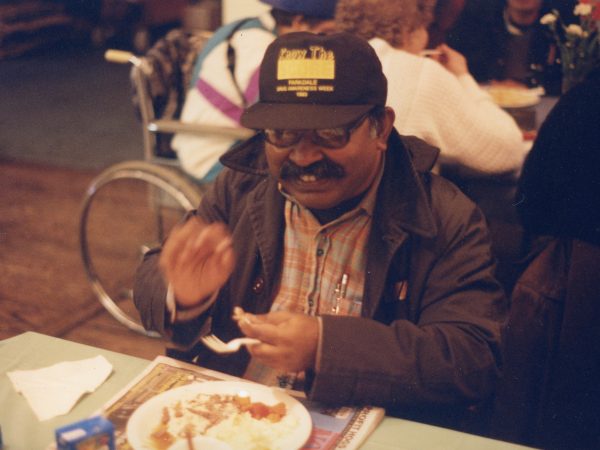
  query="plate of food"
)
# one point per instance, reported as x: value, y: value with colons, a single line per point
x: 236, y: 415
x: 514, y: 97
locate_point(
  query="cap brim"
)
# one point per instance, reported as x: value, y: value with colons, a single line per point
x: 300, y: 116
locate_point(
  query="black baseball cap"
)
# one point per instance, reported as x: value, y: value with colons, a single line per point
x: 314, y: 81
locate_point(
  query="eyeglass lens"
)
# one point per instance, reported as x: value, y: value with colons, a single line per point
x: 326, y: 137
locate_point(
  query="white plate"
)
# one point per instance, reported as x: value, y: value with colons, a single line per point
x: 200, y: 443
x: 512, y: 97
x: 147, y: 416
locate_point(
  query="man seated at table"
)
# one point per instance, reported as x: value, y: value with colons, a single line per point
x: 367, y: 279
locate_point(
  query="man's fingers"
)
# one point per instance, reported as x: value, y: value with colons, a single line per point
x: 288, y: 340
x: 273, y: 318
x: 206, y: 241
x: 193, y: 246
x: 278, y: 317
x: 276, y: 357
x: 284, y: 358
x: 217, y: 261
x: 264, y: 332
x: 267, y: 353
x: 227, y: 260
x: 196, y: 250
x: 178, y: 239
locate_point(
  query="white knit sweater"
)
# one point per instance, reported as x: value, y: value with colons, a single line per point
x: 451, y: 113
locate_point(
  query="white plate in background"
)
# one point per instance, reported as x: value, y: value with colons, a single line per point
x: 514, y: 97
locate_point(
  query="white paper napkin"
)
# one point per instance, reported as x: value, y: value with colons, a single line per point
x: 54, y: 390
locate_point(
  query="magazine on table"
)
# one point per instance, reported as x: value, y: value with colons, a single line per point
x: 333, y: 428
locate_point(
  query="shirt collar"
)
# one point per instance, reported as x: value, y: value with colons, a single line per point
x: 367, y: 204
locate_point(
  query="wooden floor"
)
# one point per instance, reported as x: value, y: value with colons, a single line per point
x: 43, y: 286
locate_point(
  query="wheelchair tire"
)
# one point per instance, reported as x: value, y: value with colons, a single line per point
x: 116, y: 214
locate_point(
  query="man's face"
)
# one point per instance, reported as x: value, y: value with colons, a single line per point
x: 320, y: 177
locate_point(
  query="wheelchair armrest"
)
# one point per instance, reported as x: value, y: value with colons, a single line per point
x: 174, y: 126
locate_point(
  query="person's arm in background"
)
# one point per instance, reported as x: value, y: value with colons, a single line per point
x: 463, y: 121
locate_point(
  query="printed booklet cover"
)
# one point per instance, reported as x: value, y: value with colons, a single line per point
x: 332, y: 428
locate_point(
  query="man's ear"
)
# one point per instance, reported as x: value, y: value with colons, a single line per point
x: 385, y: 127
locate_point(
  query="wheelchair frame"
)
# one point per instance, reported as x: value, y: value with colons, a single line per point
x: 162, y: 174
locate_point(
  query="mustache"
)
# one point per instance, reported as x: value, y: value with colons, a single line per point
x: 324, y: 168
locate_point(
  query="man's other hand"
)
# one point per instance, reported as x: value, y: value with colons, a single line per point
x: 289, y: 340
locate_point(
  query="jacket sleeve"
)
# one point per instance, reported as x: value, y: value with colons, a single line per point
x: 446, y: 353
x: 150, y: 287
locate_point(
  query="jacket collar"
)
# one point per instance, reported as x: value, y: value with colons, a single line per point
x: 248, y: 156
x: 402, y: 201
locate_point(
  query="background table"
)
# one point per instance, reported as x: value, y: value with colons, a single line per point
x: 21, y: 429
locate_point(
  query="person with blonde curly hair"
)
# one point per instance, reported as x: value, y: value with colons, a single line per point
x: 435, y: 98
x: 391, y: 21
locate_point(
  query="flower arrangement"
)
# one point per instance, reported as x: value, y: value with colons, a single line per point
x: 578, y: 44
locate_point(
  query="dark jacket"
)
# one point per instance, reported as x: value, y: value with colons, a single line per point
x: 549, y: 393
x: 560, y: 173
x: 432, y: 354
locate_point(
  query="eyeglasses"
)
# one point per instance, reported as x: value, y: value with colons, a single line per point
x: 326, y: 137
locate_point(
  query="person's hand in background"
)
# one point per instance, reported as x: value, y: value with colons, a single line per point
x: 452, y: 60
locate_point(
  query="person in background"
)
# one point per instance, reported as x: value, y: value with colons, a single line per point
x: 225, y: 77
x: 366, y: 278
x: 435, y: 100
x: 549, y: 394
x: 504, y: 41
x: 445, y: 16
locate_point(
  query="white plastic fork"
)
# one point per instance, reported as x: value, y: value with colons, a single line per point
x: 218, y: 346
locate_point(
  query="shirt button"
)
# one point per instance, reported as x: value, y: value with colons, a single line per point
x: 258, y: 286
x: 320, y: 252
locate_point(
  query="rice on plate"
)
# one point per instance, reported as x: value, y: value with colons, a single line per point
x: 246, y: 416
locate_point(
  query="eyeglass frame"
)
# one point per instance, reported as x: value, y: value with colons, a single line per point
x: 315, y: 137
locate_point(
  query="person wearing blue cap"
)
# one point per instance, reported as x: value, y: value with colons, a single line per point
x: 225, y: 76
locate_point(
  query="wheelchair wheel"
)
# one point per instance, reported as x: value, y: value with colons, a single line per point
x: 128, y: 209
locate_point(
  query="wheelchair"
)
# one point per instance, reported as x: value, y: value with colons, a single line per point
x: 131, y: 206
